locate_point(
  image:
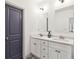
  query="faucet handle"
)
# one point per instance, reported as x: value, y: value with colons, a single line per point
x: 40, y: 34
x: 61, y: 37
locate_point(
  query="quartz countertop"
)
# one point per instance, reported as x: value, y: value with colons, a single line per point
x: 67, y: 41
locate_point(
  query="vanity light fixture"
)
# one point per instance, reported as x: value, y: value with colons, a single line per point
x: 42, y: 9
x: 61, y: 1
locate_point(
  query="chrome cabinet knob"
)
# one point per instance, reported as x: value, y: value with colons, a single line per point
x: 44, y: 49
x: 43, y: 56
x: 34, y: 43
x: 57, y: 51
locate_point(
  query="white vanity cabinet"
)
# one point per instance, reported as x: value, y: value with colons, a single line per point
x: 59, y: 51
x: 46, y: 49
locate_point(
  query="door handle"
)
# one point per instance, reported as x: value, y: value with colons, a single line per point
x: 7, y: 38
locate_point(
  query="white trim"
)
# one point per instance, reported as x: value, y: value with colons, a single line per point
x: 15, y: 5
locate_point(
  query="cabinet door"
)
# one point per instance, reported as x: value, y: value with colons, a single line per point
x: 52, y: 53
x: 63, y: 51
x: 35, y: 47
x: 64, y: 54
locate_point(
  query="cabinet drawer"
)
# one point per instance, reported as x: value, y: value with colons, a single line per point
x: 44, y: 56
x: 59, y: 46
x: 35, y: 47
x: 43, y: 42
x: 44, y: 49
x: 35, y: 42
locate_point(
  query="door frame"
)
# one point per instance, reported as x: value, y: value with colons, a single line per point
x: 15, y: 6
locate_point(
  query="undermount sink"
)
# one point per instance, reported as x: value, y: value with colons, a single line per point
x: 60, y: 39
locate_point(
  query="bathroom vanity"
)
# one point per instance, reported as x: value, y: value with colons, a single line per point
x: 52, y: 48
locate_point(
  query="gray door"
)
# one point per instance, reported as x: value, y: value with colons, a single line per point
x: 13, y: 39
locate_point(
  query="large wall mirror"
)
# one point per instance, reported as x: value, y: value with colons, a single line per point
x: 64, y: 20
